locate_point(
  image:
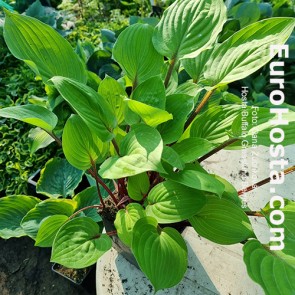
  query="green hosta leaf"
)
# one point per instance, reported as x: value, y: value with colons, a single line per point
x: 195, y: 66
x: 33, y: 219
x: 198, y: 180
x: 12, y: 211
x: 32, y: 114
x: 179, y: 105
x: 151, y: 92
x: 113, y: 92
x: 48, y: 229
x: 42, y: 48
x: 89, y: 105
x: 136, y: 54
x: 272, y: 272
x: 245, y: 52
x: 140, y: 151
x: 192, y: 148
x: 150, y: 115
x: 40, y: 139
x: 125, y: 221
x: 230, y: 193
x: 171, y: 157
x: 188, y: 27
x: 137, y: 186
x: 58, y: 178
x: 171, y: 202
x: 285, y: 240
x: 264, y: 122
x: 158, y: 250
x: 222, y: 222
x: 79, y: 243
x: 80, y: 146
x: 88, y: 197
x: 189, y: 88
x: 214, y: 124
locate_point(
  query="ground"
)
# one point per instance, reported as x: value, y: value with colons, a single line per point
x: 26, y: 270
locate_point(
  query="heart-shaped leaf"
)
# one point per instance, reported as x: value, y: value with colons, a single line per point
x: 160, y: 253
x: 58, y: 178
x: 31, y: 114
x: 33, y: 219
x: 245, y: 52
x: 81, y: 147
x: 171, y: 202
x: 48, y: 229
x: 223, y: 222
x: 125, y: 221
x: 137, y: 186
x: 42, y: 48
x: 136, y: 54
x: 188, y: 27
x: 79, y: 243
x: 273, y: 272
x: 12, y: 211
x: 141, y: 151
x: 89, y: 105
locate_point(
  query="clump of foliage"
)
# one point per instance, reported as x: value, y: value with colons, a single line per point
x: 147, y: 133
x: 17, y: 163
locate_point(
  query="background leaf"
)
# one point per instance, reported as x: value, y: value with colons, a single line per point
x: 79, y: 243
x: 188, y: 27
x: 12, y: 211
x: 89, y: 105
x: 113, y: 92
x: 58, y: 178
x: 31, y: 114
x: 136, y: 54
x: 88, y: 197
x: 42, y: 48
x: 158, y: 250
x: 179, y: 105
x: 244, y: 52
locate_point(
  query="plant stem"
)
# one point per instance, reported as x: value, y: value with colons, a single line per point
x: 58, y: 141
x: 264, y: 181
x: 217, y: 149
x: 199, y: 108
x: 116, y: 146
x: 254, y: 213
x: 170, y: 71
x: 111, y: 233
x: 83, y: 209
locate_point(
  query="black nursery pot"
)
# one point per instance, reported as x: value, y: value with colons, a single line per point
x: 74, y: 275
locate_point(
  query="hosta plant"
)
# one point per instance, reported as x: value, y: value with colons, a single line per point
x: 146, y: 134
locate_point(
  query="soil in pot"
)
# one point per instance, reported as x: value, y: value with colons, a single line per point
x: 75, y: 275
